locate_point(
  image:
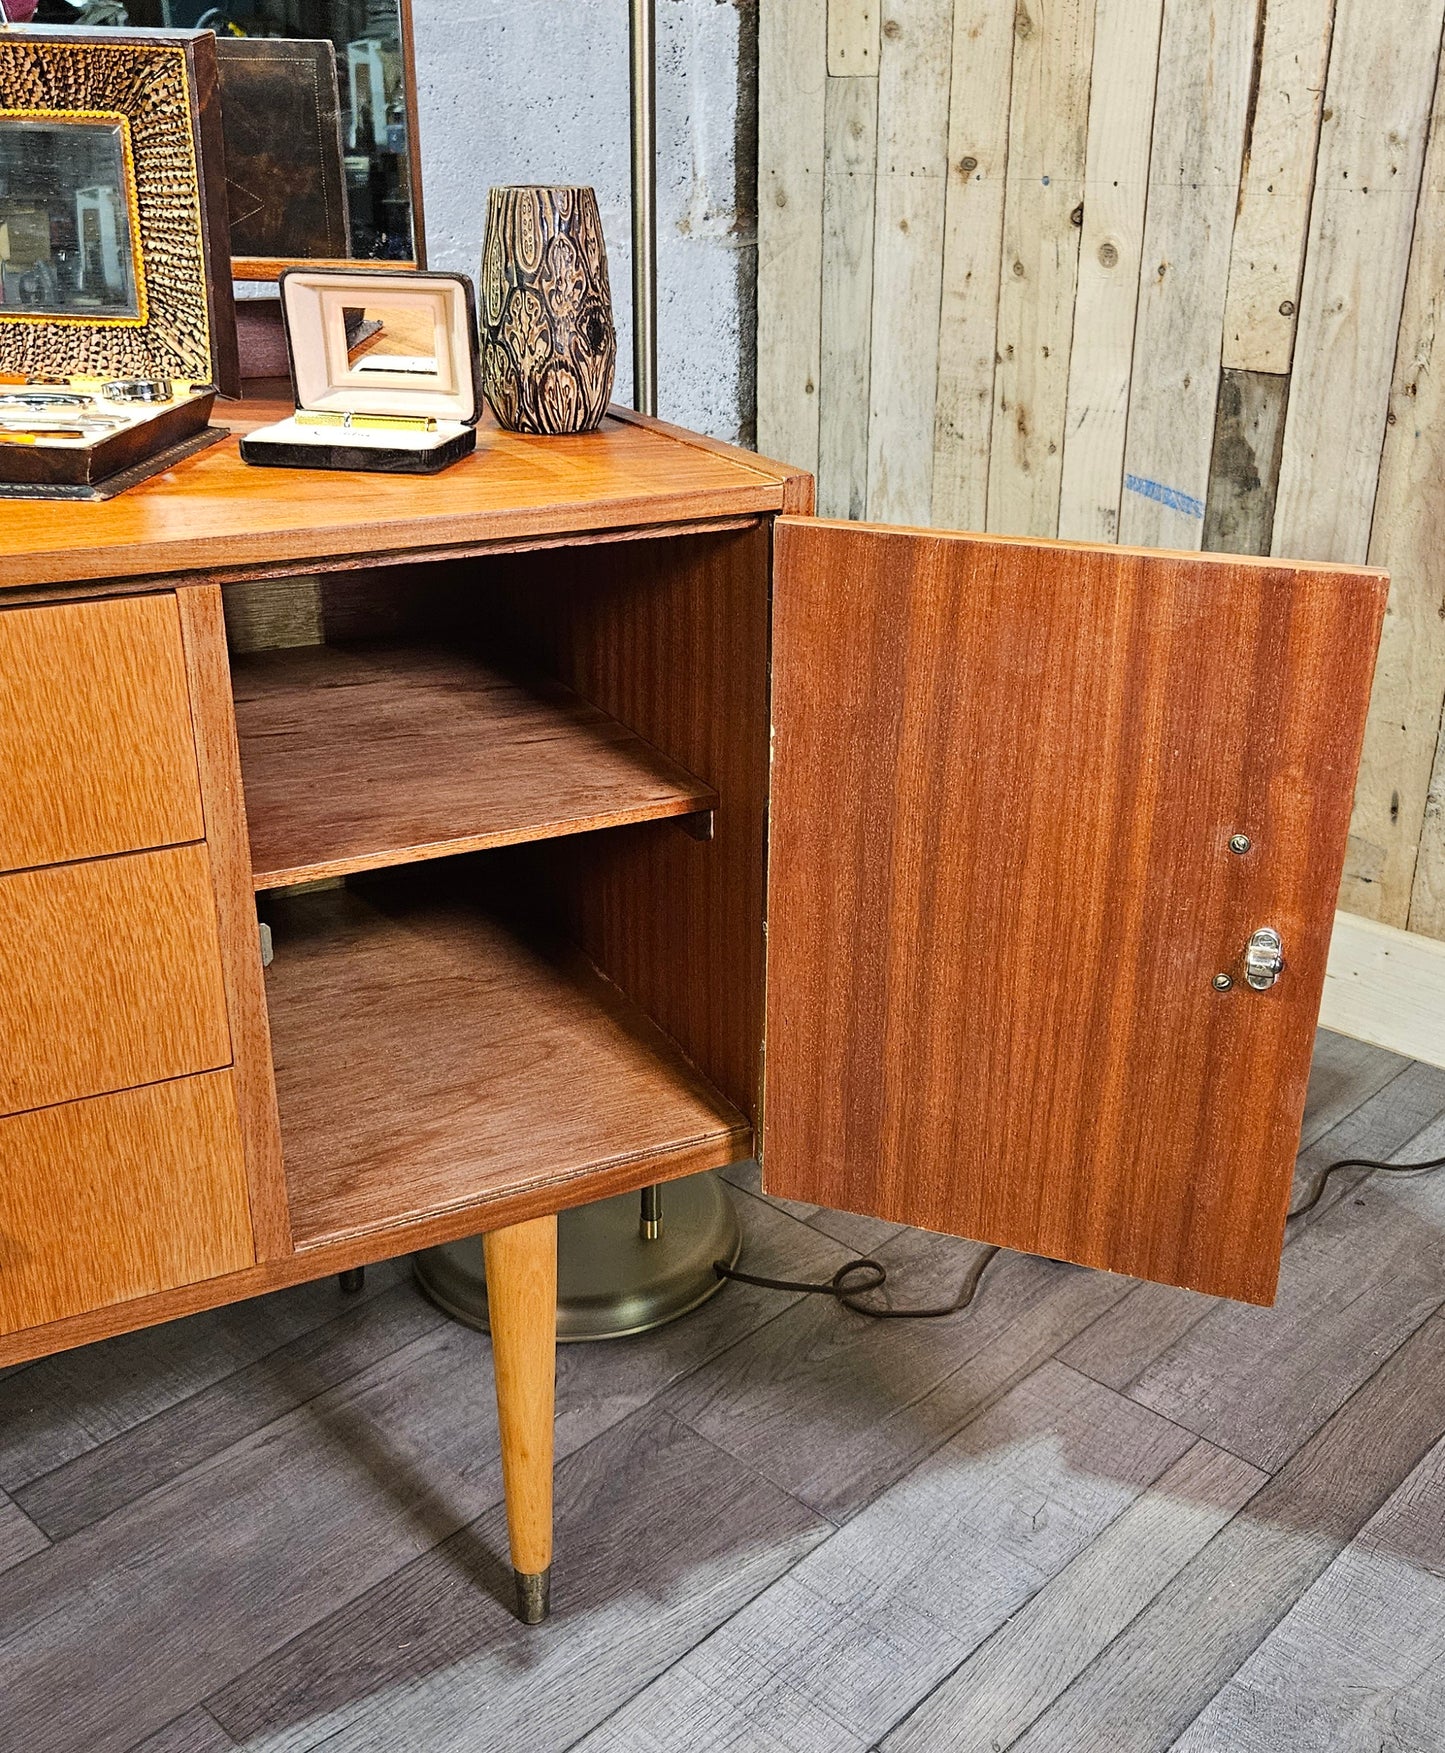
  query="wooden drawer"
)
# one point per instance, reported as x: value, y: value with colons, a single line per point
x: 96, y: 748
x: 111, y: 1198
x: 110, y: 976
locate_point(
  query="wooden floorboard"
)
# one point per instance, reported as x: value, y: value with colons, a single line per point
x: 661, y: 1537
x: 19, y: 1536
x: 873, y: 1619
x: 195, y: 1732
x: 1159, y: 1674
x: 1356, y: 1284
x: 1018, y: 1672
x: 1370, y: 1635
x: 835, y: 1408
x: 70, y: 1404
x: 1086, y: 1514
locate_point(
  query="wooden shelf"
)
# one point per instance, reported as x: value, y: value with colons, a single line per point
x: 355, y: 758
x: 429, y: 1060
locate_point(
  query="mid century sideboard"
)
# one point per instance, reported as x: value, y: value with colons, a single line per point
x: 955, y: 873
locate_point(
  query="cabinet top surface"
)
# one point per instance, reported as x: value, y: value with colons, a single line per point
x: 215, y: 515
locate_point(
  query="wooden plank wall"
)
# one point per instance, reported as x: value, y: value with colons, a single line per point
x: 1155, y: 271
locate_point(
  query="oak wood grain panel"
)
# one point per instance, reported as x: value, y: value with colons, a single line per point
x: 216, y: 512
x: 427, y: 1059
x: 111, y: 976
x: 1004, y: 779
x: 95, y: 731
x: 105, y: 1200
x: 386, y: 754
x: 208, y: 666
x: 672, y: 639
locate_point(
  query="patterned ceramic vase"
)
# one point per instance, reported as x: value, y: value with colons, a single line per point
x: 549, y: 347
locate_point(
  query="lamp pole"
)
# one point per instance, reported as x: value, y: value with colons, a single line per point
x: 643, y: 44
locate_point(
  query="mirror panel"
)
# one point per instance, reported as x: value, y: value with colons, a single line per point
x: 66, y: 245
x: 316, y: 99
x: 386, y: 341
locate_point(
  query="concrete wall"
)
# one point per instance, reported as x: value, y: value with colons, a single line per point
x: 537, y: 91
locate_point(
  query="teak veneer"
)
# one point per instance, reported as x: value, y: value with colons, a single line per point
x: 365, y: 757
x: 427, y: 1056
x: 604, y: 764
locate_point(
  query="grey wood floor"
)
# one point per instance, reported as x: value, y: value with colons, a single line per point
x: 1087, y: 1514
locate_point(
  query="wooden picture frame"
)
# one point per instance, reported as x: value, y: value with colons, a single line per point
x: 159, y: 90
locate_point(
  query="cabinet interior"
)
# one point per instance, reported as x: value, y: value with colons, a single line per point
x: 507, y: 820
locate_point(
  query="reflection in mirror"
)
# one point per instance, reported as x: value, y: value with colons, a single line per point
x: 65, y: 237
x: 383, y: 340
x: 317, y: 134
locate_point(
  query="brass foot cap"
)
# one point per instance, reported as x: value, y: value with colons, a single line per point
x: 534, y: 1595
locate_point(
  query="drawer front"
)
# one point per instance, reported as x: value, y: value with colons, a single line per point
x: 96, y: 749
x: 118, y: 1196
x: 110, y: 976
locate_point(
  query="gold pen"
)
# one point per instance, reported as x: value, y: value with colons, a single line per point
x: 368, y: 422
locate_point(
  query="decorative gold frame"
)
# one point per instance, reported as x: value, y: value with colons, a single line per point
x: 161, y: 87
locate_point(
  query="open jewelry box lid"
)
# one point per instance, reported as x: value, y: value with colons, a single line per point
x: 368, y: 341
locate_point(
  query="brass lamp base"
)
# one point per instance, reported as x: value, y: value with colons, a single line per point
x: 610, y: 1280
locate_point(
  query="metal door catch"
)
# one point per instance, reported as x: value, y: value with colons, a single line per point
x: 1263, y: 959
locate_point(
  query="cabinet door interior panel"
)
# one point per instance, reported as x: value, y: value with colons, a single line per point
x: 1006, y: 779
x: 111, y: 976
x: 112, y: 1198
x: 95, y: 731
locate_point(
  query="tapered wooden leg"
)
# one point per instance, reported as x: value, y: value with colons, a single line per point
x: 522, y: 1309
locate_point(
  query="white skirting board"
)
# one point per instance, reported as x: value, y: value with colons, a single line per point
x: 1386, y: 986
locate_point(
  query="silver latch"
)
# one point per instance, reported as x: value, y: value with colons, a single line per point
x: 1263, y: 959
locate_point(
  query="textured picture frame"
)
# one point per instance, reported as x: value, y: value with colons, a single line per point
x: 159, y: 88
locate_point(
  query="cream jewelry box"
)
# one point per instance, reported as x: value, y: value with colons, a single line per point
x: 385, y: 371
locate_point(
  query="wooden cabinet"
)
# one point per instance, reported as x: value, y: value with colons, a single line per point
x: 114, y: 978
x: 656, y: 821
x: 95, y: 731
x: 122, y: 1172
x: 108, y: 1200
x: 1029, y: 804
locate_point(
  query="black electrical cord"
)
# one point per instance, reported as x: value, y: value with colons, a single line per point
x: 849, y: 1294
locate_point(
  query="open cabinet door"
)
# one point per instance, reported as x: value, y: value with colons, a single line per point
x: 1006, y: 879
